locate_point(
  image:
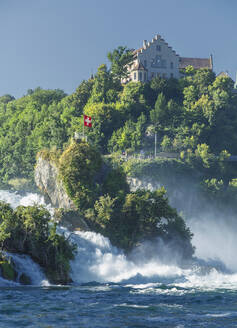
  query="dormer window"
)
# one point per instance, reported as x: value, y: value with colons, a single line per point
x: 158, y: 48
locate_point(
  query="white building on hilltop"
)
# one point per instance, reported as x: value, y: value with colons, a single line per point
x: 157, y: 58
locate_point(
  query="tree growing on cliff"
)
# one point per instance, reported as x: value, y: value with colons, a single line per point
x: 78, y: 167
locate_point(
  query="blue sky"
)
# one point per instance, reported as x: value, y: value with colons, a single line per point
x: 58, y: 43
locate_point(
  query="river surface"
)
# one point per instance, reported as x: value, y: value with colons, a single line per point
x: 110, y: 290
x: 118, y: 305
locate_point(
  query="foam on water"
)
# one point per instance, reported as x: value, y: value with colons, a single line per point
x: 97, y: 260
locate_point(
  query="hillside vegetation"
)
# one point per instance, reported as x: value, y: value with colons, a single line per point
x: 102, y: 197
x: 195, y: 117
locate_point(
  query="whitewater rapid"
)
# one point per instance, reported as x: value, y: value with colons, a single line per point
x: 98, y: 261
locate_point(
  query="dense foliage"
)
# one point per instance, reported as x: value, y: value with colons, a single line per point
x: 27, y: 230
x: 101, y: 194
x: 78, y: 167
x: 142, y: 215
x: 194, y: 118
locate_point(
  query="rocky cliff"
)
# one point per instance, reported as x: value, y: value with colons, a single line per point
x: 47, y: 180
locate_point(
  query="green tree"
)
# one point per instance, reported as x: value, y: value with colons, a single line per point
x: 119, y: 59
x: 27, y: 230
x: 103, y: 83
x: 158, y: 115
x: 203, y: 153
x: 78, y: 166
x: 130, y: 136
x: 6, y: 99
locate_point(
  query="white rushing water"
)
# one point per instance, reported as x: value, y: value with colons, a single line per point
x: 97, y: 260
x: 15, y: 199
x: 24, y: 263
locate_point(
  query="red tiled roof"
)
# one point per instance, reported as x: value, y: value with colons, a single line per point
x: 195, y: 62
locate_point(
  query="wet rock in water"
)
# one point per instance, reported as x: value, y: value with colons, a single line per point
x: 59, y: 278
x: 24, y: 279
x: 7, y: 270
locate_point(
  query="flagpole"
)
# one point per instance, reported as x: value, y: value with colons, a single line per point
x: 83, y: 128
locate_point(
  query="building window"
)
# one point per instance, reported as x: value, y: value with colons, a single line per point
x: 172, y: 65
x: 135, y: 76
x: 164, y: 76
x: 140, y: 76
x: 172, y: 75
x: 158, y: 62
x: 144, y: 76
x: 145, y: 63
x: 152, y: 75
x: 158, y: 48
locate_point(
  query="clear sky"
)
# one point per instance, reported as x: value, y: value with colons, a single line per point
x: 58, y: 43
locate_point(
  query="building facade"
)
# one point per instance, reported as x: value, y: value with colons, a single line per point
x: 157, y: 58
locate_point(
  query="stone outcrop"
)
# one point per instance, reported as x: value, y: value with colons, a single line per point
x: 47, y: 180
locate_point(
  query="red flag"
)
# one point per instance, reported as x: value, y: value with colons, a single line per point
x: 87, y: 121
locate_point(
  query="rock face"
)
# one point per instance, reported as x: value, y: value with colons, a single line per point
x: 47, y: 180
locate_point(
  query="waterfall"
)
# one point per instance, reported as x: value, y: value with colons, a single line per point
x: 25, y: 265
x: 98, y: 261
